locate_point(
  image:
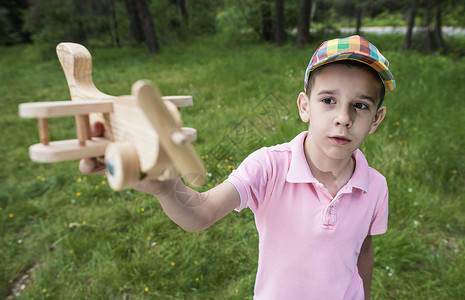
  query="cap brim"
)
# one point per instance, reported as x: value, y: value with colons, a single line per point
x: 383, y: 71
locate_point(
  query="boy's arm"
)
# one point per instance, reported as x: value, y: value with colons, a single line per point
x: 191, y: 210
x: 365, y: 264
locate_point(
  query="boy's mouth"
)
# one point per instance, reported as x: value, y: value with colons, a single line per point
x: 339, y: 140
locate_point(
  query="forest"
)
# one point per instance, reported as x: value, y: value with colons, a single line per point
x: 156, y: 23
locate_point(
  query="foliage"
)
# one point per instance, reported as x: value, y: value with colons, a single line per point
x: 53, y: 21
x: 105, y: 23
x: 75, y: 238
x: 11, y: 31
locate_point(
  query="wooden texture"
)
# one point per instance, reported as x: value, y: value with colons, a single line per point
x: 57, y: 151
x: 122, y: 165
x: 174, y: 141
x: 43, y: 131
x: 63, y: 108
x: 143, y: 129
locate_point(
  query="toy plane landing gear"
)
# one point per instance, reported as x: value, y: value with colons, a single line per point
x: 143, y: 134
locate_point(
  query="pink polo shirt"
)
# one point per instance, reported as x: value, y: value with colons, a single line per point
x: 309, y: 241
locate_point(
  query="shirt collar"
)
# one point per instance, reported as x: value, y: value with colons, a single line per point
x: 299, y: 171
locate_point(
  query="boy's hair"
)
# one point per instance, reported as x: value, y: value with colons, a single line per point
x: 353, y: 48
x: 349, y: 64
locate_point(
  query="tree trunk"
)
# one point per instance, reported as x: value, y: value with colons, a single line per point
x: 359, y: 20
x: 267, y: 22
x: 184, y: 12
x: 303, y: 36
x: 410, y: 25
x: 279, y: 33
x: 429, y: 37
x: 135, y: 24
x: 148, y: 26
x: 438, y: 29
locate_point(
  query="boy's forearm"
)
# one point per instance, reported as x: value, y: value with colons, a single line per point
x: 365, y: 265
x: 191, y: 210
x: 180, y: 203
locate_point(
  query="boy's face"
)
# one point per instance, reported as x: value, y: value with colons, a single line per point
x: 342, y: 110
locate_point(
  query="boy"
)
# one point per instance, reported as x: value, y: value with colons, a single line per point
x: 315, y: 199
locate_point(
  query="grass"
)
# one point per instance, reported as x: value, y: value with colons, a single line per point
x: 74, y: 238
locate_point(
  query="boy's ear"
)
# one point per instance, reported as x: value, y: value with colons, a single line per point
x: 380, y: 114
x: 303, y: 105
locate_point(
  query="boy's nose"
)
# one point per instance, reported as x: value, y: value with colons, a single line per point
x: 343, y: 118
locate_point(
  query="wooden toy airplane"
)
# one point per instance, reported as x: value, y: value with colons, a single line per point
x: 143, y: 134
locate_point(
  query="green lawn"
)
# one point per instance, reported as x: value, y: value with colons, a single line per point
x: 75, y: 238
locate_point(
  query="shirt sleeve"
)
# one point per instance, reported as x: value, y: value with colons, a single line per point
x: 250, y: 179
x: 380, y: 218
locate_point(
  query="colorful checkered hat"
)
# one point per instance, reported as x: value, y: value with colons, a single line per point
x: 352, y: 48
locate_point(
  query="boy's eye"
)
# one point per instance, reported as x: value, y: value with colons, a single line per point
x: 360, y: 105
x: 329, y: 101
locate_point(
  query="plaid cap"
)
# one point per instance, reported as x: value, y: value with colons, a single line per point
x: 352, y: 48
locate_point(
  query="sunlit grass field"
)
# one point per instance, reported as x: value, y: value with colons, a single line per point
x: 64, y: 235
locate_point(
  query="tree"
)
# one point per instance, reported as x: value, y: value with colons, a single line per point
x: 359, y: 13
x: 135, y: 23
x: 184, y: 12
x: 303, y: 35
x: 279, y: 33
x: 11, y: 22
x: 142, y: 23
x: 410, y: 25
x: 267, y: 21
x: 438, y: 29
x: 434, y: 34
x: 431, y: 12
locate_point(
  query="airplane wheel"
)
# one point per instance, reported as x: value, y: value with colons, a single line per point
x: 122, y: 162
